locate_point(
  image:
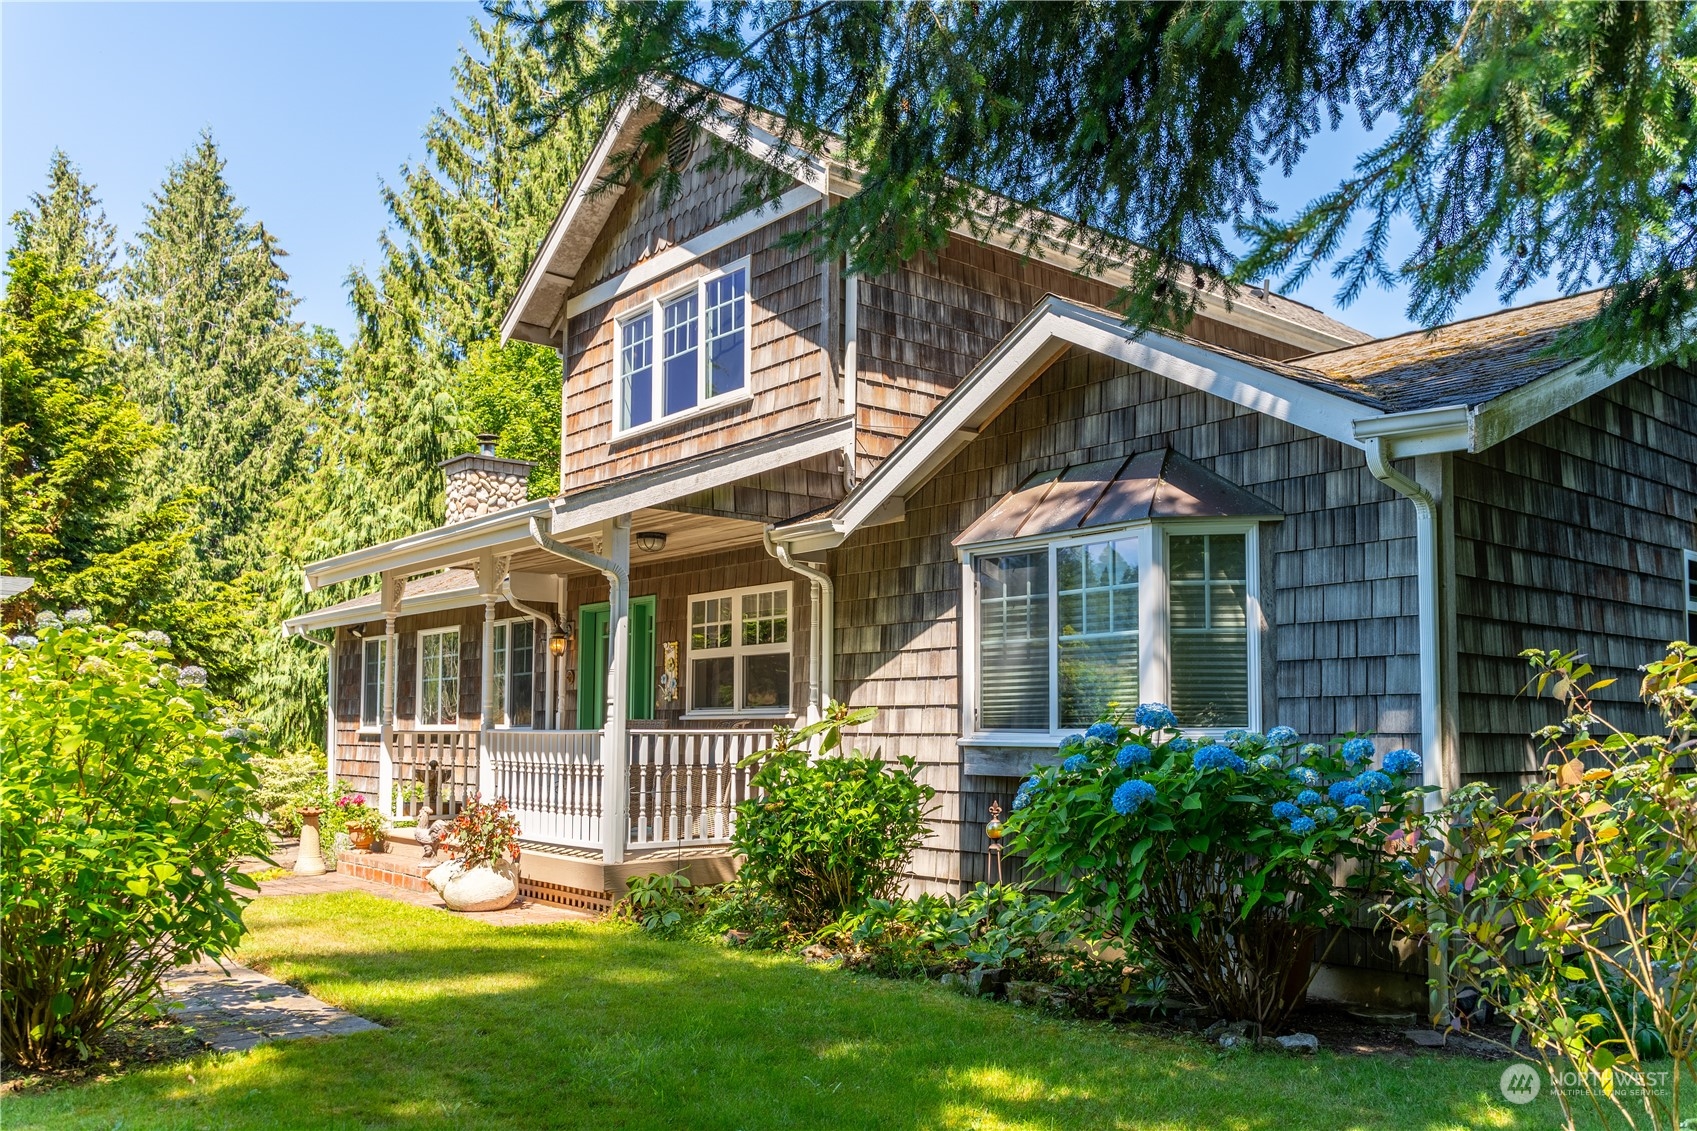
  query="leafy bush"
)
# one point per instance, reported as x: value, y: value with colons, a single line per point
x: 829, y: 832
x: 1219, y: 860
x: 659, y: 903
x: 484, y: 832
x: 124, y: 805
x: 1587, y: 872
x: 994, y: 926
x: 289, y: 781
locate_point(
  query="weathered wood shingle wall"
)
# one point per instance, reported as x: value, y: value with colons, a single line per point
x: 1338, y: 582
x: 1571, y: 536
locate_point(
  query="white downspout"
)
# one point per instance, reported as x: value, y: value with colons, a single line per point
x: 329, y: 703
x: 1434, y: 759
x: 822, y: 652
x: 615, y: 758
x: 851, y: 370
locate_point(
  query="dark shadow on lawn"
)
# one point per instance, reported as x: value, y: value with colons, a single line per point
x: 574, y: 1025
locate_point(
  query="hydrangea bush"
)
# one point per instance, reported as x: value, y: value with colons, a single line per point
x: 1219, y: 859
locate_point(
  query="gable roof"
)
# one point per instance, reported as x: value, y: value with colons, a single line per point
x: 552, y: 273
x: 1464, y: 387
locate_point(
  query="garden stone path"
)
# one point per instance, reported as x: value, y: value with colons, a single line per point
x: 235, y: 1008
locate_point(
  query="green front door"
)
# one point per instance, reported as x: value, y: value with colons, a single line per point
x: 592, y: 663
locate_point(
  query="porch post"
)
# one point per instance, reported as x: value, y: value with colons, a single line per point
x: 615, y: 748
x: 330, y: 709
x: 386, y: 732
x: 486, y: 713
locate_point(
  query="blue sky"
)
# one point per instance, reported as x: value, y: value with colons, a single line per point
x: 313, y: 104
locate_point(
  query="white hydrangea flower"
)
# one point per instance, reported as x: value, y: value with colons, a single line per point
x: 192, y: 675
x: 78, y: 616
x: 46, y: 618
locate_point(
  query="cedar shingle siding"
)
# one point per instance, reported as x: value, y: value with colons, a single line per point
x: 1570, y: 535
x: 1338, y: 587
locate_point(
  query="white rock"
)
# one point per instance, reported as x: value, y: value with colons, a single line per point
x: 487, y: 887
x: 1305, y: 1043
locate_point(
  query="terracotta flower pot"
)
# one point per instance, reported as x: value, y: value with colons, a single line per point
x: 487, y: 887
x: 361, y: 839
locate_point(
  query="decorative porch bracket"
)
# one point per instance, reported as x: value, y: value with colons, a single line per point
x: 615, y: 752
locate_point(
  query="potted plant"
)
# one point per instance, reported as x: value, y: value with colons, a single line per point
x: 483, y: 873
x: 360, y: 821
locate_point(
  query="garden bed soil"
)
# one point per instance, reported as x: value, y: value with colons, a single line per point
x: 1341, y: 1031
x: 130, y: 1045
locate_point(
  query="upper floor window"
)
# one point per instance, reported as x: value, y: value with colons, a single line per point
x: 739, y: 650
x: 374, y: 655
x: 684, y: 349
x: 438, y: 677
x: 1065, y: 626
x: 515, y: 672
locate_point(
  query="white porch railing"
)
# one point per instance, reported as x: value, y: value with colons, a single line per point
x: 686, y: 784
x: 552, y: 780
x: 434, y: 769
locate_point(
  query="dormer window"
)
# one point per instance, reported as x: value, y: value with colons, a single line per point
x: 702, y: 350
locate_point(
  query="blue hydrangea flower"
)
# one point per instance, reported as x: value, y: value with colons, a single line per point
x: 1302, y: 775
x: 1402, y: 762
x: 156, y: 638
x: 1406, y: 867
x: 1132, y: 795
x: 1285, y: 811
x: 1282, y: 736
x: 1235, y: 736
x: 1311, y: 750
x: 1132, y: 754
x: 1215, y: 756
x: 1181, y: 745
x: 1372, y: 781
x: 1270, y: 762
x: 1325, y: 814
x: 1076, y: 763
x: 1307, y: 797
x: 192, y: 675
x: 1358, y: 750
x: 1072, y: 742
x: 1103, y: 732
x: 1156, y: 716
x: 1338, y: 791
x: 1027, y: 789
x: 235, y: 734
x: 47, y: 618
x: 1302, y: 826
x: 1457, y: 888
x: 1253, y: 738
x: 1357, y: 801
x: 23, y: 641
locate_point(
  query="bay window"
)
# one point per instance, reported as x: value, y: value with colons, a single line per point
x: 702, y: 347
x: 1062, y: 626
x: 739, y: 651
x: 438, y: 677
x: 514, y: 667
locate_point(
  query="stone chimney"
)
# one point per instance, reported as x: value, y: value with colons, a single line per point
x: 482, y: 482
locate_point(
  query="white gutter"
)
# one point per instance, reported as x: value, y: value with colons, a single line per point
x: 851, y: 372
x: 615, y: 755
x: 329, y: 703
x: 821, y: 654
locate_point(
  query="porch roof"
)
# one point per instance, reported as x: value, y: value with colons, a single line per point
x: 580, y: 513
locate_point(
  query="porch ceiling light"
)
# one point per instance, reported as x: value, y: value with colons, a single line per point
x: 651, y: 541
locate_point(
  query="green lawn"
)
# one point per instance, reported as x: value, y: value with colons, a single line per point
x: 577, y: 1025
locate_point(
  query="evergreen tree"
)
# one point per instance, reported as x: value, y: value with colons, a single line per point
x: 1550, y: 139
x: 210, y: 351
x: 67, y: 227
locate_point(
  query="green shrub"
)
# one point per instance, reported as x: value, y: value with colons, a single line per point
x: 826, y: 831
x: 1217, y: 859
x: 124, y: 805
x: 1569, y: 905
x: 661, y: 903
x: 1001, y: 926
x: 289, y: 780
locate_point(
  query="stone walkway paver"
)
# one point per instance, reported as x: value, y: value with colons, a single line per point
x: 236, y: 1008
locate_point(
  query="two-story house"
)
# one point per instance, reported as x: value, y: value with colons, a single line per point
x: 966, y: 494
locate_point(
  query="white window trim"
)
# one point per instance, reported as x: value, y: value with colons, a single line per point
x: 1153, y: 639
x: 738, y: 650
x: 506, y: 709
x: 1690, y: 602
x: 418, y: 681
x: 370, y: 729
x: 655, y: 307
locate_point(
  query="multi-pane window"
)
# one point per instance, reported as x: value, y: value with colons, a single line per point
x: 1208, y: 602
x: 373, y: 660
x: 1059, y: 629
x: 739, y: 650
x: 1691, y: 596
x: 702, y: 349
x: 439, y: 677
x: 515, y: 672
